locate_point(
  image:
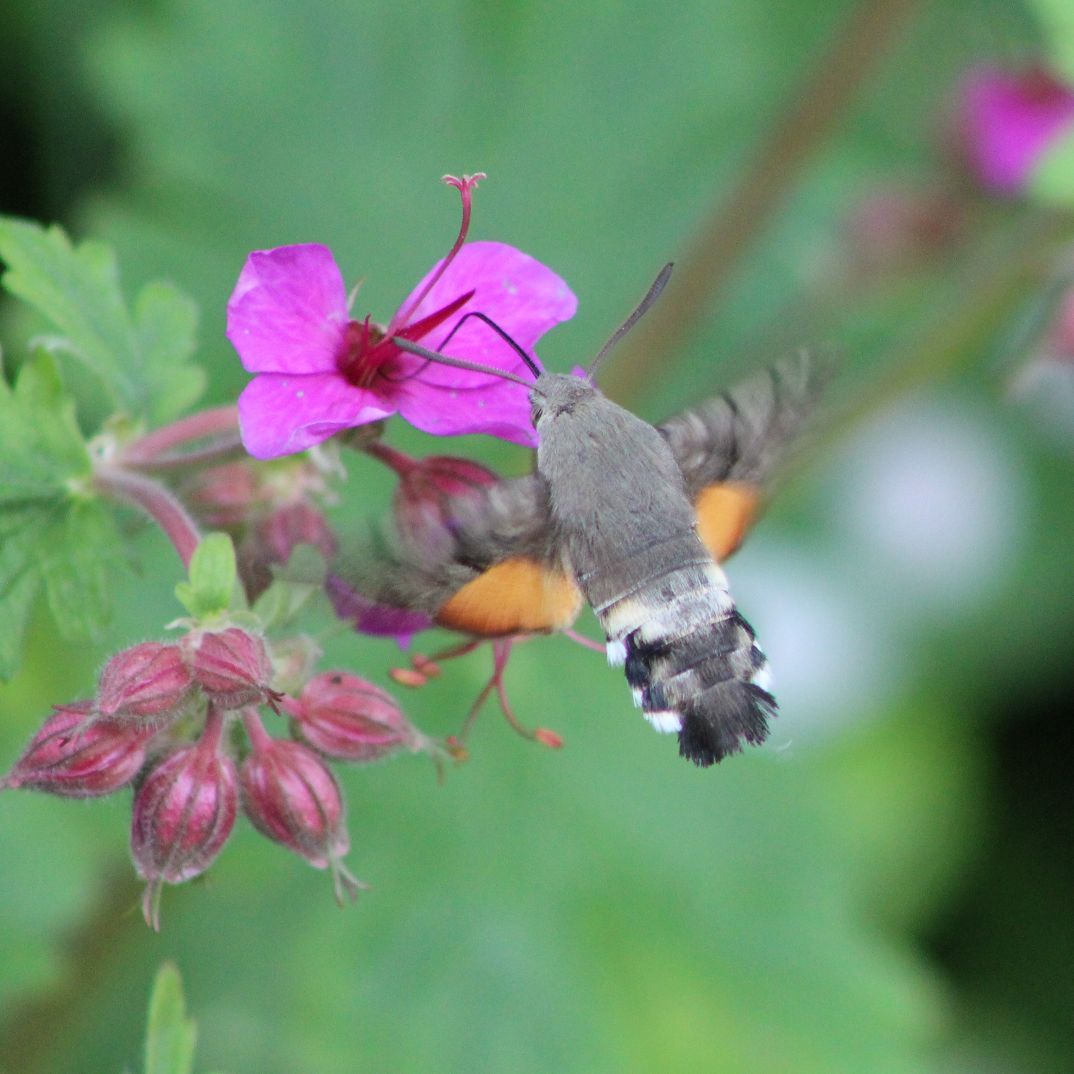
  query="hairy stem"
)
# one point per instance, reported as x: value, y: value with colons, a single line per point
x: 152, y: 498
x: 219, y: 423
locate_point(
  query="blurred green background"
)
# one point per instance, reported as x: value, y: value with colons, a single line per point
x: 885, y: 887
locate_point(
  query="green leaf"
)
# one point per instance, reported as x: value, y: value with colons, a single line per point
x: 1052, y: 180
x: 78, y: 562
x: 213, y: 577
x: 40, y: 443
x: 140, y: 362
x: 170, y: 1034
x: 1057, y: 21
x: 166, y: 320
x: 49, y: 530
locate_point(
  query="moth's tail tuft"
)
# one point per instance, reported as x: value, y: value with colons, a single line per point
x: 710, y: 684
x: 724, y: 717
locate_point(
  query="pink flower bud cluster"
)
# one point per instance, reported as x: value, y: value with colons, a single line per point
x: 164, y: 720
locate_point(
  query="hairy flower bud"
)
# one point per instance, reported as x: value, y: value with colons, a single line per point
x: 232, y: 666
x: 76, y: 756
x: 292, y: 798
x: 345, y: 717
x: 184, y: 811
x: 147, y: 681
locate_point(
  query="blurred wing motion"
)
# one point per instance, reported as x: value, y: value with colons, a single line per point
x: 500, y: 567
x: 493, y: 572
x: 729, y: 446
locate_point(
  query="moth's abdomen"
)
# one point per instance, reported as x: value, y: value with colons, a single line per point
x: 692, y: 661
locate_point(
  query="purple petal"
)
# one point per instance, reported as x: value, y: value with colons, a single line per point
x: 288, y: 311
x: 500, y: 408
x: 526, y: 299
x: 1010, y: 120
x: 281, y: 414
x: 368, y: 617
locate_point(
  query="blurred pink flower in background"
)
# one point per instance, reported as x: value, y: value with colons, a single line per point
x: 1007, y: 121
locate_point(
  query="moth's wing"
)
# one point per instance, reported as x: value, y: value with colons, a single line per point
x: 494, y: 571
x: 728, y: 447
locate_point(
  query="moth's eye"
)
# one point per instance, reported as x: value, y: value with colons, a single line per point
x: 536, y: 410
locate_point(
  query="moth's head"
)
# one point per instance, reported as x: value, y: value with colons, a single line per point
x: 558, y: 393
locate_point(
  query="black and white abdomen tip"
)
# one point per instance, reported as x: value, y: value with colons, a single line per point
x: 694, y: 668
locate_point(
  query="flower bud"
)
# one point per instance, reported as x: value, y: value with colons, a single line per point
x: 146, y: 681
x: 292, y: 798
x: 901, y: 227
x: 345, y: 717
x: 232, y: 666
x: 274, y: 539
x: 77, y: 756
x: 184, y: 811
x: 430, y: 494
x: 224, y: 496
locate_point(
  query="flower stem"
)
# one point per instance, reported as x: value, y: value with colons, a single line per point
x: 395, y: 460
x: 259, y: 738
x: 221, y: 422
x: 149, y: 496
x: 710, y: 263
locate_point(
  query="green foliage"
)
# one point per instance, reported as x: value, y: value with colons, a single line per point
x: 602, y: 908
x: 170, y: 1035
x: 141, y: 361
x: 1057, y: 21
x: 213, y: 578
x: 51, y: 533
x: 1052, y: 181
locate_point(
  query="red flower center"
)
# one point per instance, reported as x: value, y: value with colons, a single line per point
x: 368, y: 353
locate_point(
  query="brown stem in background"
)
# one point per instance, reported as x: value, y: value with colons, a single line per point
x: 742, y: 215
x: 29, y: 1029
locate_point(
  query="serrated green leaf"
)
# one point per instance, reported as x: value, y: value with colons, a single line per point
x: 166, y: 321
x: 213, y: 577
x: 1052, y: 180
x: 140, y: 362
x: 78, y: 563
x: 40, y: 443
x: 170, y: 1034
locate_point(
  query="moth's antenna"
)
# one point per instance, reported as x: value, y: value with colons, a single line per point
x: 458, y: 363
x: 500, y: 332
x: 640, y: 310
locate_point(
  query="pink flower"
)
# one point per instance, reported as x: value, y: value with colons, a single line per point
x: 1009, y: 120
x: 318, y: 371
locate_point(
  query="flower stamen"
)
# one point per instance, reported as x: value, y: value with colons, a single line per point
x: 465, y: 186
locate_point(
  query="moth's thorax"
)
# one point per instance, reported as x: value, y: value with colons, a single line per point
x: 558, y: 393
x: 613, y: 484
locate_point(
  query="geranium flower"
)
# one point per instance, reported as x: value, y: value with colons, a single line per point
x: 320, y: 371
x: 1009, y: 120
